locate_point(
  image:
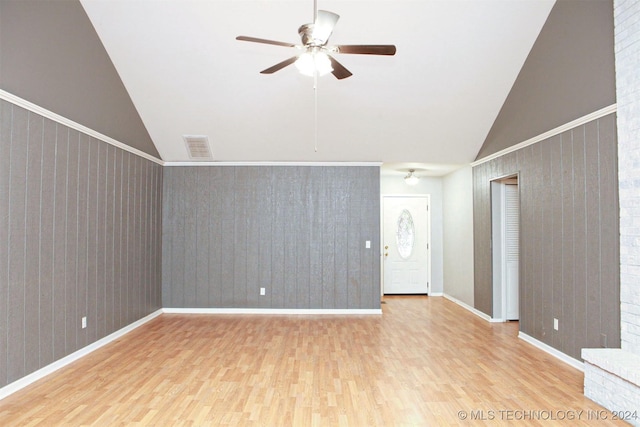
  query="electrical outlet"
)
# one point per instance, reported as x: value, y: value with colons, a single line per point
x: 555, y: 324
x: 263, y: 291
x: 367, y: 244
x: 84, y: 322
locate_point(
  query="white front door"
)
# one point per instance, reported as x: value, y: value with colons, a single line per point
x: 405, y: 245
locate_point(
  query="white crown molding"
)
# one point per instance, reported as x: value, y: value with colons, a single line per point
x: 552, y: 351
x: 204, y: 163
x: 61, y: 363
x: 16, y: 100
x: 553, y: 132
x: 277, y: 311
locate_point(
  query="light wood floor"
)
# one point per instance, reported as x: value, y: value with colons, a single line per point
x: 425, y: 361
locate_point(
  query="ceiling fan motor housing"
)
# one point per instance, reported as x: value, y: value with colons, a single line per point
x: 306, y: 35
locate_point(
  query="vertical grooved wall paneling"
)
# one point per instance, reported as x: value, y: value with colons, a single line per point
x: 568, y: 237
x: 65, y: 240
x: 297, y: 231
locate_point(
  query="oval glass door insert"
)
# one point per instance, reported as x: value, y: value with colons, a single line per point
x: 406, y: 234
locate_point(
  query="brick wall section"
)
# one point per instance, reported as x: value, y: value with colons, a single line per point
x: 612, y: 377
x: 627, y: 49
x: 613, y: 392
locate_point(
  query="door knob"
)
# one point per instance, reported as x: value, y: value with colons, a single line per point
x: 386, y: 247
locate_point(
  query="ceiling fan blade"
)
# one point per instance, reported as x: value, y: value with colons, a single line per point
x: 323, y: 27
x: 338, y: 69
x: 264, y: 41
x: 366, y: 49
x: 279, y: 65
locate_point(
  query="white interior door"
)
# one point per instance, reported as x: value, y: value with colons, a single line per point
x: 512, y: 251
x: 405, y: 245
x: 505, y: 237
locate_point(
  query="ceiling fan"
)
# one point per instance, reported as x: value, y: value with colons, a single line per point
x: 315, y: 58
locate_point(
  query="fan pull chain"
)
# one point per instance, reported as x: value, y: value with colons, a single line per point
x: 315, y: 111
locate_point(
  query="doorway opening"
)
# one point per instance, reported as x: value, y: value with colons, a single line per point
x: 505, y: 248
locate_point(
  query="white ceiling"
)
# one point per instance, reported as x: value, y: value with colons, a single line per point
x: 431, y: 105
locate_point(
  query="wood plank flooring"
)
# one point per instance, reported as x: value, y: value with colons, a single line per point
x: 425, y: 361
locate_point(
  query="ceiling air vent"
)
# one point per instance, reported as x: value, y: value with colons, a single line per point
x: 198, y: 147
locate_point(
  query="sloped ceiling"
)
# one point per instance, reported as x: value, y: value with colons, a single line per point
x: 568, y: 74
x: 51, y: 56
x: 431, y: 104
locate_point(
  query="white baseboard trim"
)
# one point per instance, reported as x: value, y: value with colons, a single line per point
x: 275, y: 311
x: 468, y: 307
x: 58, y: 364
x: 49, y: 369
x: 529, y: 339
x: 436, y: 294
x: 552, y: 351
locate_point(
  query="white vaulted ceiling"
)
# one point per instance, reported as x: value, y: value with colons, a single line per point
x: 432, y: 103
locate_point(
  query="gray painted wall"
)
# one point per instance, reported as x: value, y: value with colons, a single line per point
x: 80, y: 235
x: 51, y: 55
x: 569, y: 267
x: 568, y: 74
x: 298, y: 231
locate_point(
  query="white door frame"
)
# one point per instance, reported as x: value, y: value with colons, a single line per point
x: 498, y: 245
x: 400, y: 195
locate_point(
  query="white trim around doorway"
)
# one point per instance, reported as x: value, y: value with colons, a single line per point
x: 420, y: 195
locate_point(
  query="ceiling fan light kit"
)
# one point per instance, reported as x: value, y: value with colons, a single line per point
x: 315, y: 60
x: 310, y: 63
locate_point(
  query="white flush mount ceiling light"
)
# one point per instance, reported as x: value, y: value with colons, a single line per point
x: 411, y: 179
